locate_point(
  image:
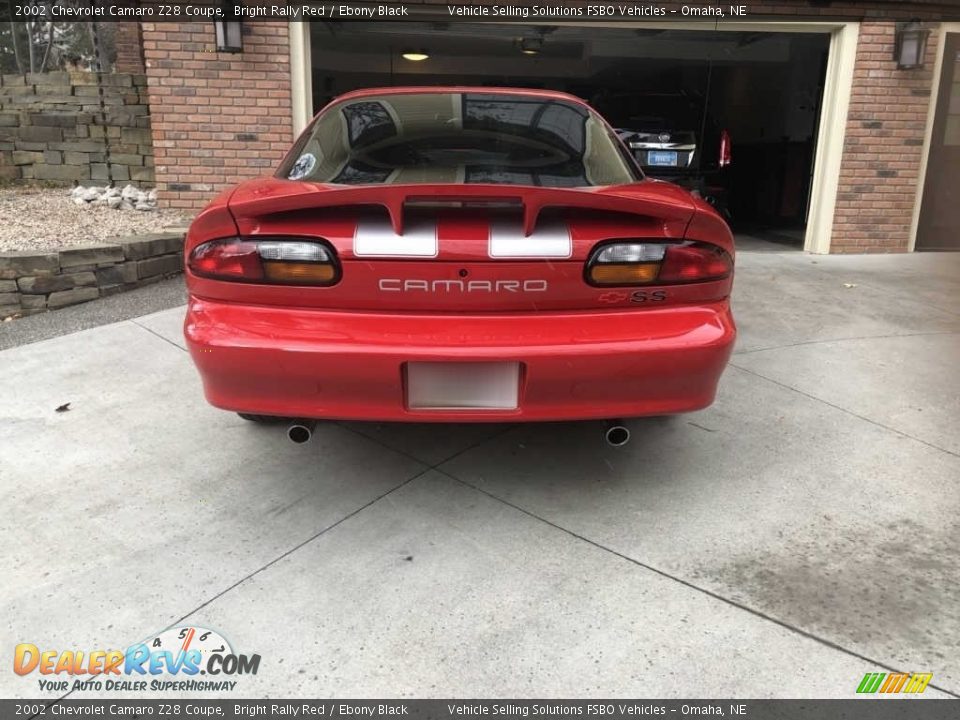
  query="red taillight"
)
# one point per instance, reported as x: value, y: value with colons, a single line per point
x: 694, y: 263
x: 642, y: 262
x: 286, y: 261
x: 724, y: 158
x: 227, y: 260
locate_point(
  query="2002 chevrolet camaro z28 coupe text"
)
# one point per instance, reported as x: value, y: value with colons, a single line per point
x: 458, y: 255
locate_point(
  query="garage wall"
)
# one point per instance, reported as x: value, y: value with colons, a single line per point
x: 883, y: 146
x: 217, y: 118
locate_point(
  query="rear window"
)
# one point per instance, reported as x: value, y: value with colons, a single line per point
x: 460, y: 138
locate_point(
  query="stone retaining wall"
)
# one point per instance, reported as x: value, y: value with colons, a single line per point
x: 33, y: 282
x: 52, y: 127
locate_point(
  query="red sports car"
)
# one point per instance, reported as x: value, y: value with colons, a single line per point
x: 458, y: 254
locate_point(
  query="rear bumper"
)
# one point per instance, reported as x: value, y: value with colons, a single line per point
x: 351, y: 365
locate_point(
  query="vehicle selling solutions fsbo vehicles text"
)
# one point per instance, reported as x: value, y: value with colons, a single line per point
x: 528, y: 11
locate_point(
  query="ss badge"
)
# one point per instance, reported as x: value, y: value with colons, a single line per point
x: 642, y: 296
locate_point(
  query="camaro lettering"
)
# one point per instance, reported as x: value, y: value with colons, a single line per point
x: 469, y: 286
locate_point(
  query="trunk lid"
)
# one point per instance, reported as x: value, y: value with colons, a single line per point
x: 457, y: 248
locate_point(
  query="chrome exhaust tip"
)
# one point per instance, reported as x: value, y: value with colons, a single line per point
x: 616, y: 434
x: 300, y: 431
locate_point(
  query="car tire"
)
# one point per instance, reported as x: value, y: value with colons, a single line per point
x: 266, y: 419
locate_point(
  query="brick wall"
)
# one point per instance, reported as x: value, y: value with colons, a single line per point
x: 129, y: 45
x: 218, y: 118
x: 52, y: 128
x: 883, y: 146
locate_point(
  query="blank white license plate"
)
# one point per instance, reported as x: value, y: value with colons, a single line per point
x: 463, y: 386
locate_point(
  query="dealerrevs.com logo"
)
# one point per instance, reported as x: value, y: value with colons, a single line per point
x: 177, y: 659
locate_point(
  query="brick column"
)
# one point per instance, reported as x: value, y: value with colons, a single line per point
x: 883, y: 146
x: 218, y: 118
x: 129, y: 46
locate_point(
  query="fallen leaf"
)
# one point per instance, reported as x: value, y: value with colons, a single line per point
x: 63, y: 408
x: 849, y: 285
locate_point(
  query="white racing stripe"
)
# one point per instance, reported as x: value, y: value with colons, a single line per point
x: 374, y: 237
x: 550, y: 239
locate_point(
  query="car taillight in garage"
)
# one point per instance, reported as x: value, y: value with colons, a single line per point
x: 652, y: 263
x: 270, y: 261
x: 725, y: 157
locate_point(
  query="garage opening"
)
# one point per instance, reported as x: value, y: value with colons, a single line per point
x: 731, y: 115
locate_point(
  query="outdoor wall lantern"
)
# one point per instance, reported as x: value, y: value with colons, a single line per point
x: 910, y: 45
x: 229, y: 36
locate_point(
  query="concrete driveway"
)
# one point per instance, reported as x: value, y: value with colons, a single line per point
x: 803, y: 531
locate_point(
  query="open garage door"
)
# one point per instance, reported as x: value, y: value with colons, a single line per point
x: 731, y: 115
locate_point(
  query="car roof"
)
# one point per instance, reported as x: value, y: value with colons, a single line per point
x: 458, y: 89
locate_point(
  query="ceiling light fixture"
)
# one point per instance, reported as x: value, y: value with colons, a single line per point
x: 415, y: 55
x: 531, y: 45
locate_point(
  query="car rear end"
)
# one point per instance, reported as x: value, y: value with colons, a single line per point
x: 581, y: 292
x: 674, y: 138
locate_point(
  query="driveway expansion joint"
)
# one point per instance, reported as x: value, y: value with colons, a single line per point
x: 428, y: 468
x: 154, y: 332
x: 875, y: 423
x: 843, y: 339
x: 692, y: 586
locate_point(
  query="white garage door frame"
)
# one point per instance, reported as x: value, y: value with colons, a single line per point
x: 301, y: 75
x: 833, y: 114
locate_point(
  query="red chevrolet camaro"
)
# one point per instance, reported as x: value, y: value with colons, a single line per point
x: 458, y: 255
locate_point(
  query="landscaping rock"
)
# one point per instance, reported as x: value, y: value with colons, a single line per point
x: 72, y: 297
x: 139, y: 247
x: 53, y: 218
x: 18, y: 264
x: 55, y: 283
x: 130, y: 198
x: 97, y: 254
x: 33, y: 302
x: 159, y: 266
x: 122, y: 273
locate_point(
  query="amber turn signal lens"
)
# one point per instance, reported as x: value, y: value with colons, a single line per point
x: 627, y: 274
x: 299, y: 273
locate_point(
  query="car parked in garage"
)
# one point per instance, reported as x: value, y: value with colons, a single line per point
x: 459, y: 255
x: 674, y: 138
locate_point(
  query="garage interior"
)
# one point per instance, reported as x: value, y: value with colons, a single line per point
x: 764, y: 88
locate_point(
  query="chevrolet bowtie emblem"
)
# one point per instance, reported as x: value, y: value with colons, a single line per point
x: 612, y: 297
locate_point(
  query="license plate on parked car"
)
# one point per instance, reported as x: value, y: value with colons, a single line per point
x: 463, y: 386
x: 662, y: 157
